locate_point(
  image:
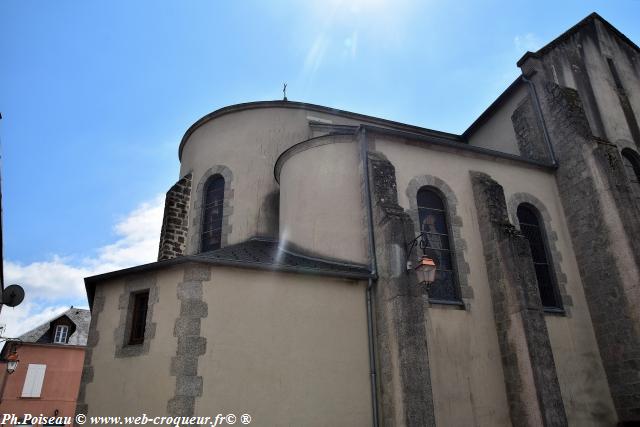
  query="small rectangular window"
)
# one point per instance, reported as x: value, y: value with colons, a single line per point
x: 33, y: 381
x: 61, y: 334
x: 139, y: 317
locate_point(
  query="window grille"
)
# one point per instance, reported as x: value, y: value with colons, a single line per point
x: 432, y: 214
x: 530, y: 227
x: 212, y: 214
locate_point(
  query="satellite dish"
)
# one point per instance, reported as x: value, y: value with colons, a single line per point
x: 12, y: 295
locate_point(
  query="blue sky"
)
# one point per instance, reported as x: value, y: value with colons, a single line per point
x: 96, y: 95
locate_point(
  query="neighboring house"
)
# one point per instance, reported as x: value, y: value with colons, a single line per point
x: 48, y: 376
x: 282, y: 291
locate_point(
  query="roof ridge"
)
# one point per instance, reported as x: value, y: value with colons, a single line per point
x: 572, y: 30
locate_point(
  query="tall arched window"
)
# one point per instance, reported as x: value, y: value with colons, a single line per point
x: 432, y: 213
x: 212, y: 213
x: 528, y: 217
x: 631, y: 161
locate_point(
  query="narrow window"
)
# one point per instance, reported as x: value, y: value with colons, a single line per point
x: 631, y: 161
x: 212, y: 213
x: 34, y: 379
x: 433, y: 221
x: 139, y: 317
x: 60, y: 336
x: 530, y: 227
x: 616, y: 76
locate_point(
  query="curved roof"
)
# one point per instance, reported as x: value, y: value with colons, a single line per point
x: 310, y: 107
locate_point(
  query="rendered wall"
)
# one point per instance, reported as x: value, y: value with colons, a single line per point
x: 496, y: 132
x: 321, y: 207
x: 60, y: 385
x: 287, y: 349
x: 138, y: 384
x: 467, y: 377
x: 284, y: 348
x: 247, y: 142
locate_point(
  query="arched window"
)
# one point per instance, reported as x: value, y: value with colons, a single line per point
x: 432, y: 213
x: 212, y: 213
x: 631, y: 161
x: 528, y: 217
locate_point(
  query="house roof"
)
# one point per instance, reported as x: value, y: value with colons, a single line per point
x: 272, y: 255
x: 79, y: 316
x: 255, y: 253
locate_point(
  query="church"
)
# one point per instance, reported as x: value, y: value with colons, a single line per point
x: 286, y: 286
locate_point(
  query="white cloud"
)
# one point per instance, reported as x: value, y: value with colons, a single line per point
x: 138, y: 243
x: 52, y: 285
x: 27, y: 316
x: 47, y: 280
x: 527, y: 42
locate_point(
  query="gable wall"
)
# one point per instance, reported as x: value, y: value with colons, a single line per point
x: 496, y: 133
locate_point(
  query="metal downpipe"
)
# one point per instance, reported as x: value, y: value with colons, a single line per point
x: 372, y: 280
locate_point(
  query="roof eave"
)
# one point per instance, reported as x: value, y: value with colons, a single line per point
x: 312, y: 107
x: 486, y: 114
x: 463, y: 147
x: 90, y: 282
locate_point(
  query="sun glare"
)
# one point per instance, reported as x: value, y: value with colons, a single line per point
x: 343, y: 28
x: 358, y: 6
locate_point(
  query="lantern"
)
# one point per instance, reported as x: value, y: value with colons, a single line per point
x: 426, y: 271
x: 12, y: 362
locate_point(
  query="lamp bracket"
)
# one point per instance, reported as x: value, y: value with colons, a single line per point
x: 412, y: 244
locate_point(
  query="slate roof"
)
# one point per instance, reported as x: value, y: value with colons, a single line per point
x: 79, y: 316
x: 255, y: 253
x: 259, y: 252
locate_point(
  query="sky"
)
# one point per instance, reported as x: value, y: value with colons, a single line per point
x: 96, y: 95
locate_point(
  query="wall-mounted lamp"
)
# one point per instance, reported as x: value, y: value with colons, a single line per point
x: 426, y: 268
x: 12, y: 357
x: 12, y: 363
